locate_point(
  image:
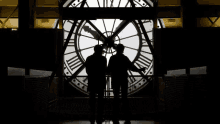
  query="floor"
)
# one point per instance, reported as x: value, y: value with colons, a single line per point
x: 69, y: 107
x: 106, y: 122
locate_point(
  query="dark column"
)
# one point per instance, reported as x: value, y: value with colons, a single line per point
x: 23, y: 15
x: 188, y: 12
x: 60, y: 70
x: 59, y: 49
x: 25, y: 22
x: 32, y: 19
x: 189, y: 20
x: 189, y: 23
x: 155, y: 86
x: 188, y: 71
x: 26, y: 14
x: 27, y: 71
x: 23, y: 25
x: 156, y: 65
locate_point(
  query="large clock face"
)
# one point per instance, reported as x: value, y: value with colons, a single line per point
x: 87, y: 34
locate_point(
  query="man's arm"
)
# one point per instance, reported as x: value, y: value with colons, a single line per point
x: 134, y: 68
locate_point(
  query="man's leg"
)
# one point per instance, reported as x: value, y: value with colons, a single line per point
x: 92, y: 106
x: 100, y: 106
x: 116, y: 104
x: 125, y: 105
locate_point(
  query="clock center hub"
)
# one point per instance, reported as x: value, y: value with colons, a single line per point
x: 110, y: 43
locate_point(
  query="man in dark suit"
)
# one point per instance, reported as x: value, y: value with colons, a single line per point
x: 118, y: 66
x: 96, y: 66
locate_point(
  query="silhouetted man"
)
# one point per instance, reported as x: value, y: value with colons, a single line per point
x: 96, y: 66
x: 118, y: 66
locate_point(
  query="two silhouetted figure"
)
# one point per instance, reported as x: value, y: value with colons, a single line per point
x: 96, y: 68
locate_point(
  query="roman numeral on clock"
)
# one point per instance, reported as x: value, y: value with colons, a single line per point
x: 145, y: 44
x: 74, y: 62
x: 71, y: 43
x: 71, y: 21
x: 145, y: 41
x: 145, y: 21
x: 143, y: 61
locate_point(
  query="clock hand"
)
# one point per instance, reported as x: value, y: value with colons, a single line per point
x: 95, y: 34
x: 99, y: 32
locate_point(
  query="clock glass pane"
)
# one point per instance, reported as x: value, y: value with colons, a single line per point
x: 89, y: 33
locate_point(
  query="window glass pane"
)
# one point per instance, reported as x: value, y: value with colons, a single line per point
x: 16, y: 71
x: 12, y: 71
x: 195, y: 71
x: 198, y: 70
x: 176, y: 72
x: 40, y: 73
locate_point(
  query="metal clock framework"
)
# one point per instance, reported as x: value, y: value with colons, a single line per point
x: 87, y: 34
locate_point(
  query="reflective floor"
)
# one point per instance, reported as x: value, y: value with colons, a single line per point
x: 106, y: 122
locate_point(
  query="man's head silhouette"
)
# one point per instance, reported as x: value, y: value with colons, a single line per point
x: 120, y: 48
x: 98, y: 49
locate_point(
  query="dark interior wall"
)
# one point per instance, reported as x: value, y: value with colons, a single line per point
x: 37, y: 50
x: 40, y: 45
x: 182, y: 48
x: 179, y: 48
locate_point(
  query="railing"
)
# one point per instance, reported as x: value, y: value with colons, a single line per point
x: 108, y: 92
x: 176, y: 90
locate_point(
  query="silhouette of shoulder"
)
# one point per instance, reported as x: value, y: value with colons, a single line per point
x: 119, y: 57
x: 94, y: 60
x: 95, y: 65
x: 119, y: 61
x: 95, y: 57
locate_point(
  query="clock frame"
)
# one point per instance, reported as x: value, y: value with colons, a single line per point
x: 140, y: 60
